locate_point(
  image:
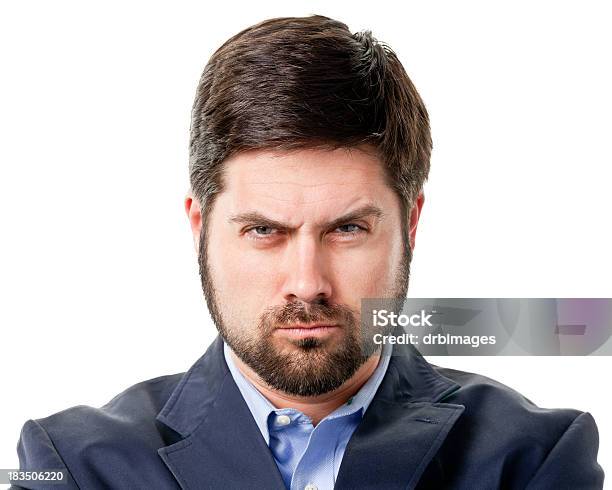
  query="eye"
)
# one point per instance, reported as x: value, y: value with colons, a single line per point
x: 350, y: 228
x: 263, y: 230
x: 349, y: 232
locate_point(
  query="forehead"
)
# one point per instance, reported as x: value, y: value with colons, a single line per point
x: 298, y: 182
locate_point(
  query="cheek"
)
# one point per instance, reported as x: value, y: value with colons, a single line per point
x: 370, y: 272
x: 243, y: 281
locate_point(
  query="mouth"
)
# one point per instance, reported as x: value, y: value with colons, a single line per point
x: 301, y: 330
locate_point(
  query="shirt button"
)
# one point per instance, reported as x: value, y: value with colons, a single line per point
x: 285, y: 420
x: 311, y: 486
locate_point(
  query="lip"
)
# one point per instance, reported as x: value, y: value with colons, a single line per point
x: 307, y: 326
x: 299, y: 330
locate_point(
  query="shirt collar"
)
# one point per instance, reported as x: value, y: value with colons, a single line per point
x: 261, y: 407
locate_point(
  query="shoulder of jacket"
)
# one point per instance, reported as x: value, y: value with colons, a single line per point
x: 489, y: 399
x: 133, y: 412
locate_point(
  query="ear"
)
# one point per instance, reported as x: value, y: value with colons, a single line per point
x: 415, y: 212
x: 194, y: 214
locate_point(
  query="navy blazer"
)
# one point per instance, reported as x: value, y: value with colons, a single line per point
x: 426, y: 428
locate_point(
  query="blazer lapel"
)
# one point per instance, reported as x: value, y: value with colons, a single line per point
x: 221, y: 445
x: 402, y: 429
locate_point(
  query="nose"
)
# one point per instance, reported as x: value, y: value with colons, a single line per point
x: 306, y: 276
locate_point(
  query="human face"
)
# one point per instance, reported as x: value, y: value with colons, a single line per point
x: 293, y: 243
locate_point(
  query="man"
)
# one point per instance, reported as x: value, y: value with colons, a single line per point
x: 309, y: 150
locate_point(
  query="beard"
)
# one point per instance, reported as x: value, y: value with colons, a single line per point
x: 313, y: 367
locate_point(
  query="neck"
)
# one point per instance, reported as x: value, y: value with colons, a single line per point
x: 315, y: 407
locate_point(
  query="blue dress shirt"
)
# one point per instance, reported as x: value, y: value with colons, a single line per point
x: 308, y: 457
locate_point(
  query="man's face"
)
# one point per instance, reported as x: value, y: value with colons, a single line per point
x: 294, y: 242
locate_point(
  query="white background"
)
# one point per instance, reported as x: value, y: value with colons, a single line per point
x: 98, y: 277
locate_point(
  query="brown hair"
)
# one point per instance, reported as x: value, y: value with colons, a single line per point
x: 305, y: 82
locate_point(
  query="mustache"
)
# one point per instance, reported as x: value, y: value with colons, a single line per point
x: 301, y: 312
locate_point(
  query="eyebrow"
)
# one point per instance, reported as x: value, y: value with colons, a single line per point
x: 254, y: 217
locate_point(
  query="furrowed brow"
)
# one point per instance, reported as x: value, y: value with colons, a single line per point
x: 255, y: 218
x: 366, y: 211
x: 258, y: 219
